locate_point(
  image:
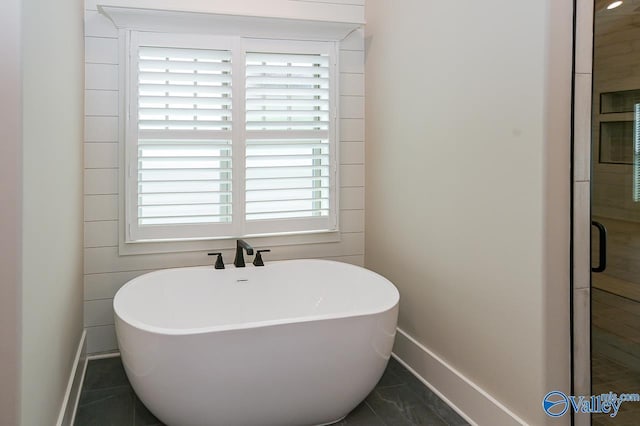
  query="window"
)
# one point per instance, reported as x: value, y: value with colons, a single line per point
x: 228, y: 137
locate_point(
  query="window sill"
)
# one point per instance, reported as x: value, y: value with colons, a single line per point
x: 177, y: 246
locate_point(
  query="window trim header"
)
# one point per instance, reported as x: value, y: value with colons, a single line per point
x: 200, y: 22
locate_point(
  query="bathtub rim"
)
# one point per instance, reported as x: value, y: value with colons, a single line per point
x: 140, y: 325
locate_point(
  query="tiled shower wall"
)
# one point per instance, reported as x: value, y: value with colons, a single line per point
x: 616, y: 61
x: 105, y: 269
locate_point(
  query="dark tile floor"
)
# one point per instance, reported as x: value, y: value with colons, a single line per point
x: 615, y: 358
x: 399, y: 399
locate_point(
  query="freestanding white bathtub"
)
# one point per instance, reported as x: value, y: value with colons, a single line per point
x: 298, y: 342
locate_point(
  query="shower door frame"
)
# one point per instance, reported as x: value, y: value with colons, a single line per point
x: 581, y: 204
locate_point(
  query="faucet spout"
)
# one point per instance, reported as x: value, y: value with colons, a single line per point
x: 241, y: 245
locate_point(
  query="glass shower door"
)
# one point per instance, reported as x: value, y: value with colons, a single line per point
x: 615, y: 195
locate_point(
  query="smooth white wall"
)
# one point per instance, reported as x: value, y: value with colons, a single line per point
x: 52, y: 113
x: 105, y: 268
x: 467, y: 186
x: 10, y: 210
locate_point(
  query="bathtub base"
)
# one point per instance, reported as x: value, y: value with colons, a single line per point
x: 299, y: 374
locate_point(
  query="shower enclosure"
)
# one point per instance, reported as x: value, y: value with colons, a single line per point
x: 615, y: 207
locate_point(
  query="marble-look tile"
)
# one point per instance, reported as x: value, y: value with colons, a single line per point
x: 362, y: 415
x: 615, y: 361
x: 399, y: 399
x: 142, y: 416
x: 105, y: 373
x: 438, y: 406
x: 106, y: 407
x: 390, y: 377
x: 426, y: 395
x: 400, y: 406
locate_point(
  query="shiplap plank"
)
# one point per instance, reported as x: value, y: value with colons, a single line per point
x: 352, y: 130
x: 101, y: 76
x: 101, y: 339
x: 351, y: 107
x: 106, y: 285
x: 352, y: 61
x: 352, y: 84
x: 101, y: 129
x: 352, y: 198
x: 351, y: 175
x: 98, y: 312
x: 352, y: 220
x: 352, y: 153
x: 101, y: 233
x: 100, y: 207
x: 100, y: 181
x: 101, y: 103
x: 101, y: 155
x: 99, y: 50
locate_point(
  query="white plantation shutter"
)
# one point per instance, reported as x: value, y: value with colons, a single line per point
x: 182, y: 119
x: 224, y: 143
x: 184, y: 181
x: 184, y: 89
x: 288, y: 158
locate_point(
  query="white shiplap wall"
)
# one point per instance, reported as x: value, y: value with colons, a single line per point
x: 105, y: 271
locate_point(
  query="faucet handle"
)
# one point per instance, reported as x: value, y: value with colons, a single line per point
x: 257, y: 261
x: 219, y: 261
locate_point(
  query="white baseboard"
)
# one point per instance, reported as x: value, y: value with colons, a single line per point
x: 469, y: 400
x: 74, y: 387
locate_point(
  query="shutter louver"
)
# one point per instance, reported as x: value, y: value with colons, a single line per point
x: 287, y: 149
x: 184, y: 136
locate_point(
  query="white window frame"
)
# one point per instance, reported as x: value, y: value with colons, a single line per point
x: 294, y: 228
